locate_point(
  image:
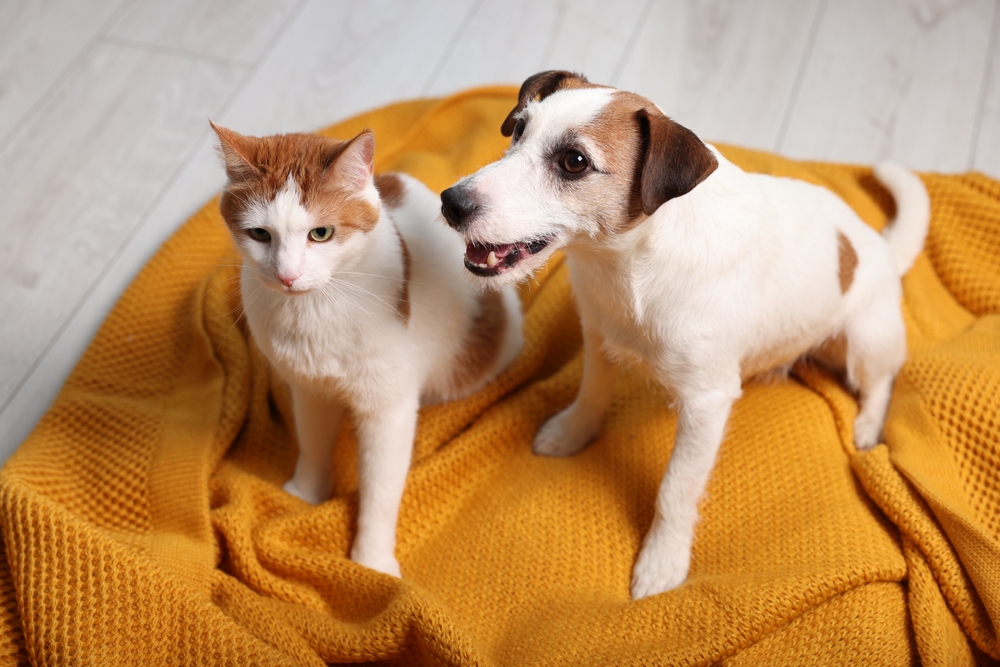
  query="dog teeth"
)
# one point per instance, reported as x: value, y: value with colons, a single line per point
x: 491, y: 260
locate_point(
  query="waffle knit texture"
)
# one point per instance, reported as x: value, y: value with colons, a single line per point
x: 144, y: 521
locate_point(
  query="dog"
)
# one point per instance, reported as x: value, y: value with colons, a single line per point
x: 697, y: 273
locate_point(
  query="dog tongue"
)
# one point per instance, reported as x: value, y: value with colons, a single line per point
x: 477, y: 252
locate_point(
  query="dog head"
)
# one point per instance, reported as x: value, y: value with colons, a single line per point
x: 585, y: 161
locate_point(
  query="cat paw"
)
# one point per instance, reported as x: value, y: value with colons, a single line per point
x: 313, y: 496
x: 867, y: 432
x: 564, y: 435
x: 384, y: 563
x: 659, y: 568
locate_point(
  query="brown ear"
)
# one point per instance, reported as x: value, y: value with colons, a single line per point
x: 354, y: 166
x: 537, y: 87
x: 237, y: 152
x: 675, y: 160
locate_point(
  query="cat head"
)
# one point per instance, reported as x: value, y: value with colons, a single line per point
x: 299, y: 206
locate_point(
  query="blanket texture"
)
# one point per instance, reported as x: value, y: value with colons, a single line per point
x: 144, y: 521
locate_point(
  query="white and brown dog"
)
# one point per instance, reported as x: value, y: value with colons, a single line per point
x: 698, y: 273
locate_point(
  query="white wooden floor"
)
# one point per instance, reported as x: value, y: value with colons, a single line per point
x: 105, y: 148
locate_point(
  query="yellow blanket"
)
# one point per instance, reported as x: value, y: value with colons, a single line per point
x: 144, y: 521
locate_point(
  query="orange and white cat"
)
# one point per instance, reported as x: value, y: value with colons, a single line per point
x: 350, y: 289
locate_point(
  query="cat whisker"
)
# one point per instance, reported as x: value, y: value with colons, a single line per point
x: 339, y: 306
x: 246, y: 302
x: 333, y: 290
x: 226, y: 282
x: 359, y: 290
x: 396, y: 278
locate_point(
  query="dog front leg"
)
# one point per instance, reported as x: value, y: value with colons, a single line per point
x: 573, y: 428
x: 385, y: 447
x: 665, y: 556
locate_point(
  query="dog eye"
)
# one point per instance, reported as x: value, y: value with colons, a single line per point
x: 573, y: 162
x: 518, y: 131
x: 259, y: 234
x: 321, y: 234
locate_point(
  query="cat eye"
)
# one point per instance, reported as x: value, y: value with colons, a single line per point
x: 321, y: 234
x: 259, y: 234
x: 518, y: 131
x: 573, y: 162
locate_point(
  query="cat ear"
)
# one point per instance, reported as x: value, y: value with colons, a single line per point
x: 354, y: 166
x: 236, y: 150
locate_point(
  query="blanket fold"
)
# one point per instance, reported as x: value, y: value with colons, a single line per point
x: 143, y: 521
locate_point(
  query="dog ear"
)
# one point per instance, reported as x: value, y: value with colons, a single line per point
x: 675, y: 160
x: 537, y: 87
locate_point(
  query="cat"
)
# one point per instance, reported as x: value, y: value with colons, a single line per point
x: 350, y: 290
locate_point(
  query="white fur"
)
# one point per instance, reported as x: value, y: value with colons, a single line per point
x: 336, y: 336
x: 734, y: 279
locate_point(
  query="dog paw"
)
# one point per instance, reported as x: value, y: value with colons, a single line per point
x: 563, y: 435
x: 658, y: 568
x: 313, y: 496
x: 867, y: 432
x: 384, y: 563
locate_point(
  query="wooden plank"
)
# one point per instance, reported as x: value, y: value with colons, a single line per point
x: 232, y: 30
x: 897, y: 80
x: 338, y: 59
x: 38, y: 42
x: 986, y: 150
x: 508, y: 40
x: 81, y: 175
x: 726, y: 70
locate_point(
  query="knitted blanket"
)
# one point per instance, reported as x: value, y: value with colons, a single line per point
x: 143, y: 522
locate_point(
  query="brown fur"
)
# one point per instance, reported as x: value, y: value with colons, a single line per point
x: 650, y: 158
x: 540, y: 86
x: 403, y: 300
x: 676, y: 160
x: 483, y: 341
x: 617, y: 133
x: 259, y: 167
x: 390, y: 189
x: 848, y: 262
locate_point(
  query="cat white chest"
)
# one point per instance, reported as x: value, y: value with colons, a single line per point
x: 317, y: 337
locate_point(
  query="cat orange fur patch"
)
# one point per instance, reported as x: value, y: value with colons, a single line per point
x: 259, y: 168
x: 403, y: 302
x: 390, y: 189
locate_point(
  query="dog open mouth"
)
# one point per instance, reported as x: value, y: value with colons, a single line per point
x: 487, y: 259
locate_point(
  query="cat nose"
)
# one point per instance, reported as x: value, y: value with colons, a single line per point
x: 288, y: 278
x: 457, y: 207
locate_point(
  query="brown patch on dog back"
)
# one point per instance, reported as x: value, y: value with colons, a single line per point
x: 391, y: 189
x: 482, y: 342
x: 848, y: 259
x: 403, y: 300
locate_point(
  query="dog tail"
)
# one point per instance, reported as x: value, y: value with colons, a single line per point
x: 907, y: 232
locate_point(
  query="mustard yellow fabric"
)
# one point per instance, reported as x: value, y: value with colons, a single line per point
x: 144, y: 521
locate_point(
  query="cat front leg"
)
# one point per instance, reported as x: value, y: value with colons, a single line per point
x: 317, y: 423
x: 385, y: 448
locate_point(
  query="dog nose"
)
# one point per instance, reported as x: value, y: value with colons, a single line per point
x: 457, y: 206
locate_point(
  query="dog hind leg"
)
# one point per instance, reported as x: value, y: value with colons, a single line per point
x: 876, y: 350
